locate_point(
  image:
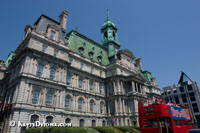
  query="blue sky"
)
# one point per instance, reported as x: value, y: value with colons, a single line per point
x: 165, y: 34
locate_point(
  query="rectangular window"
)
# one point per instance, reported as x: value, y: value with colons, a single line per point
x: 52, y: 35
x: 181, y: 89
x: 91, y: 85
x: 52, y: 73
x: 92, y: 69
x: 68, y: 79
x: 55, y: 53
x: 195, y: 107
x: 184, y: 98
x: 44, y: 47
x: 81, y: 66
x: 176, y: 99
x: 189, y: 87
x: 49, y: 97
x: 192, y: 96
x: 80, y: 85
x: 39, y: 70
x: 35, y: 96
x: 175, y: 91
x: 70, y: 61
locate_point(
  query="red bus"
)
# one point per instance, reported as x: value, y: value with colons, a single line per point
x: 163, y: 117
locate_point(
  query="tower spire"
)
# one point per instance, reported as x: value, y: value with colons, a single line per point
x: 108, y: 18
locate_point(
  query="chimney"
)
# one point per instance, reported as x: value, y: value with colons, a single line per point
x: 63, y: 20
x: 138, y: 63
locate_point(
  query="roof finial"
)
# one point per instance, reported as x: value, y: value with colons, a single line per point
x: 108, y: 14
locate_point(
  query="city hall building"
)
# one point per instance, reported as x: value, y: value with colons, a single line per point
x: 70, y: 78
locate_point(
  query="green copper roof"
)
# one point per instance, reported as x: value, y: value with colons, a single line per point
x: 9, y: 59
x: 77, y: 42
x: 108, y: 22
x: 147, y: 76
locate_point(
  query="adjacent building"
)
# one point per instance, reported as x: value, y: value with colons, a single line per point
x: 70, y: 78
x: 185, y: 93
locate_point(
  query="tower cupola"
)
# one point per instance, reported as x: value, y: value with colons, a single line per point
x: 109, y: 36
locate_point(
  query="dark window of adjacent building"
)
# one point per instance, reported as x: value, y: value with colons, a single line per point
x: 166, y: 99
x: 175, y: 91
x: 169, y: 92
x: 162, y: 93
x: 189, y: 87
x: 176, y: 98
x: 192, y: 96
x: 195, y: 107
x: 181, y: 89
x: 184, y: 98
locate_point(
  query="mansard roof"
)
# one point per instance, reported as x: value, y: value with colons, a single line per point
x: 77, y: 42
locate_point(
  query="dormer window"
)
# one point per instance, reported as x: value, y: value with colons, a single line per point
x: 81, y: 50
x: 90, y: 54
x: 52, y: 35
x: 99, y: 58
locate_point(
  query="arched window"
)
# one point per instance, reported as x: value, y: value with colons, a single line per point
x: 49, y: 97
x: 128, y: 122
x: 101, y: 107
x: 81, y: 122
x: 35, y: 96
x: 49, y: 119
x: 68, y: 120
x: 93, y: 123
x: 80, y: 104
x: 67, y: 102
x: 34, y: 118
x: 92, y: 105
x: 103, y: 123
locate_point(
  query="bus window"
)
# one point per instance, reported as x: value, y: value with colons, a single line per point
x: 168, y: 122
x: 188, y: 122
x: 176, y: 122
x: 181, y: 123
x: 148, y: 123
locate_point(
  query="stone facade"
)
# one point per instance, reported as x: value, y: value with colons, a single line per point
x: 51, y: 78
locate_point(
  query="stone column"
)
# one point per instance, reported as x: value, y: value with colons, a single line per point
x: 136, y: 86
x: 116, y: 106
x: 122, y: 87
x: 118, y: 86
x: 133, y: 85
x: 124, y: 108
x: 115, y: 89
x: 120, y: 104
x: 44, y: 96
